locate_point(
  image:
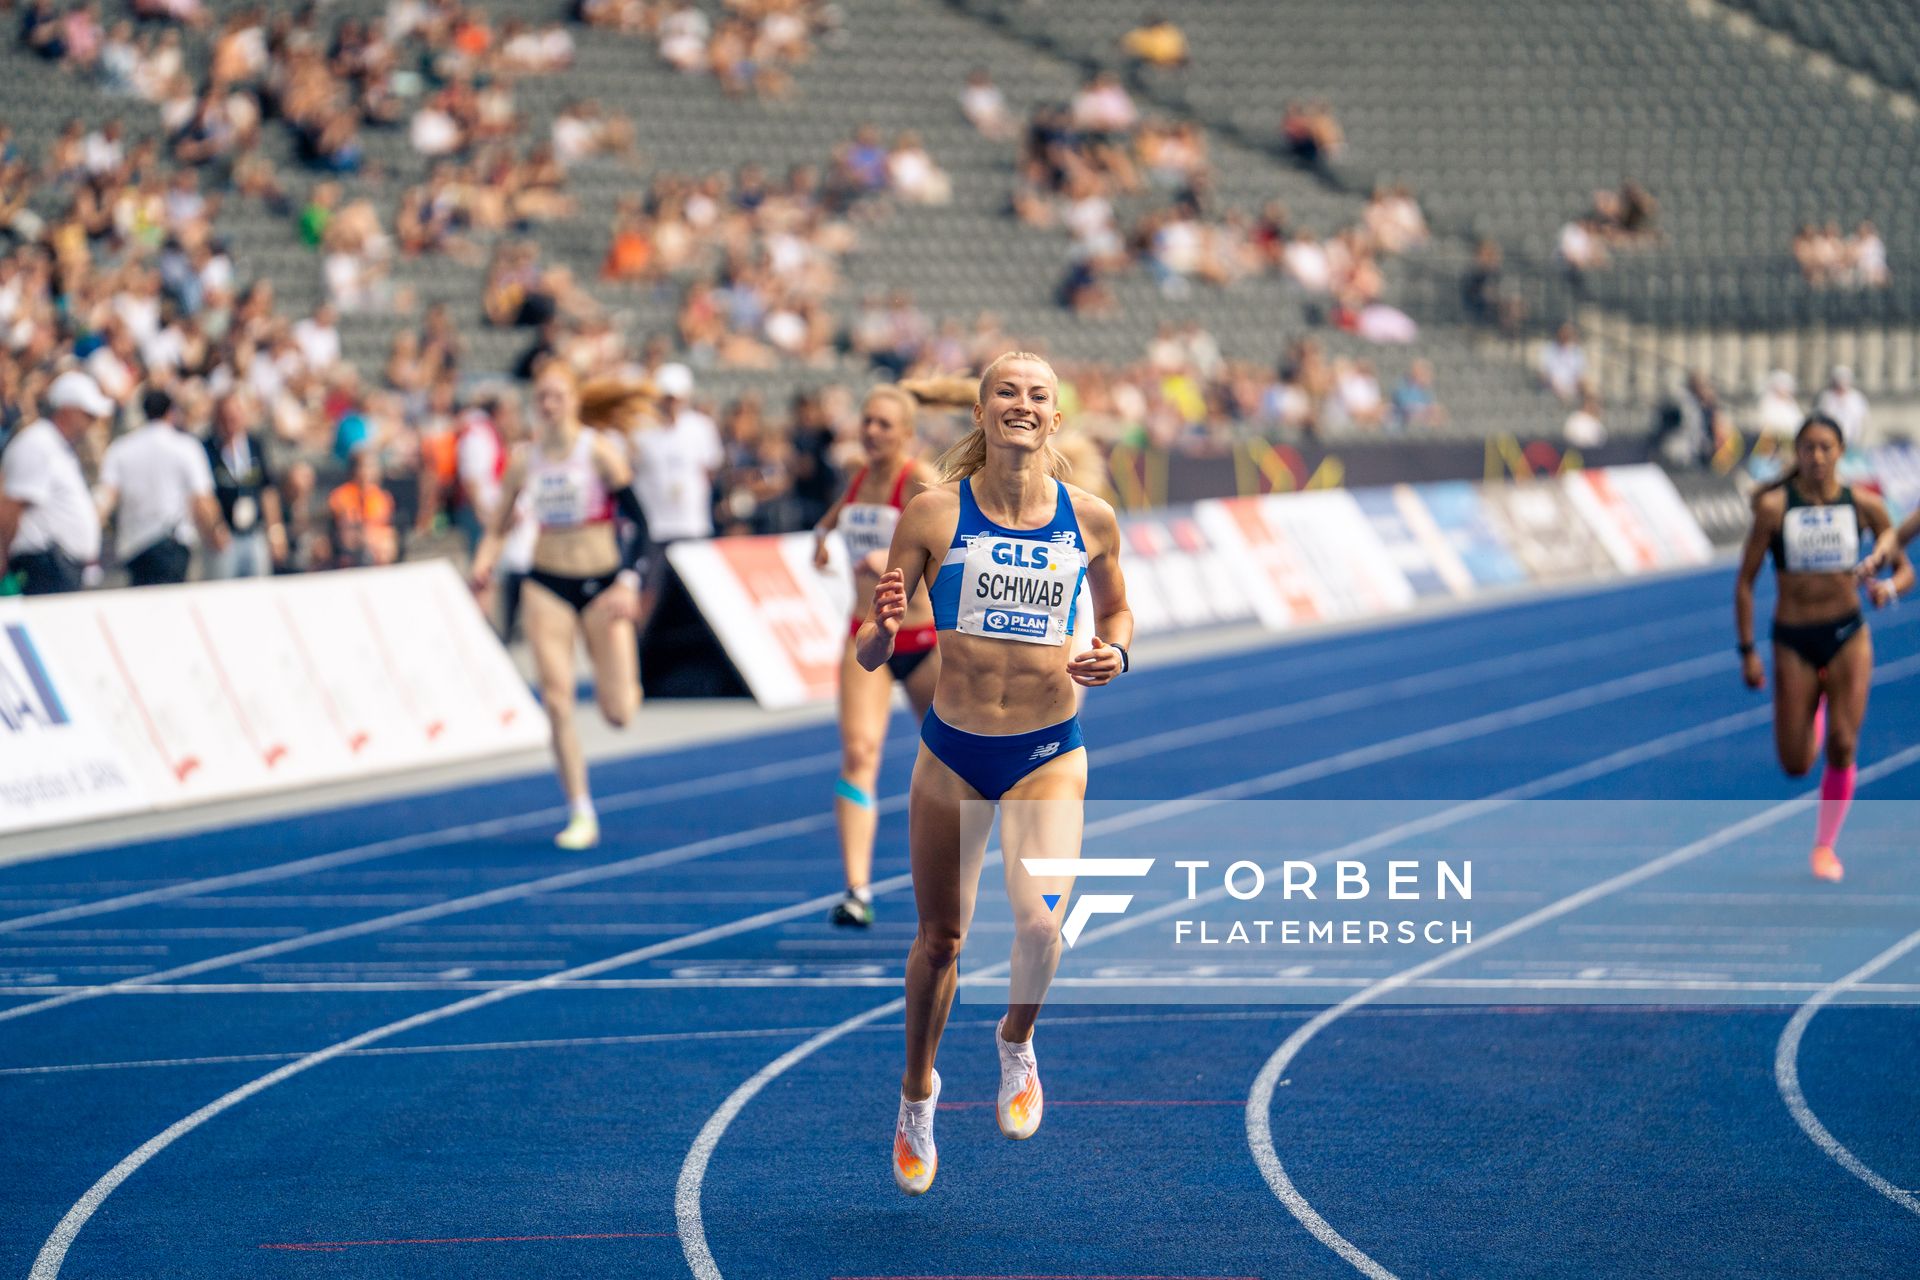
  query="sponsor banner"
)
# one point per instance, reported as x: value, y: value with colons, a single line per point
x: 1897, y: 469
x: 1717, y: 503
x: 782, y: 622
x: 1421, y: 551
x: 1639, y: 517
x: 1461, y: 516
x: 59, y: 760
x: 1318, y: 552
x: 1175, y: 578
x: 217, y: 690
x: 1288, y: 560
x: 1547, y: 535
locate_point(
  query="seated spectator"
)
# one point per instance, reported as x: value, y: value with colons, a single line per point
x: 682, y: 38
x: 913, y: 175
x: 1415, y: 405
x: 1357, y: 393
x: 1581, y: 247
x: 1483, y: 293
x: 1394, y: 220
x: 1310, y: 134
x: 1562, y: 364
x: 985, y: 107
x: 361, y: 514
x: 630, y: 257
x: 1156, y: 42
x: 1778, y: 415
x: 1867, y: 258
x: 1584, y: 428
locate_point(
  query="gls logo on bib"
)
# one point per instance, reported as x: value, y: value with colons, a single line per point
x: 1023, y: 555
x: 1011, y: 622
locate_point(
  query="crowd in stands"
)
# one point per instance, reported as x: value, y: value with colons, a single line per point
x: 754, y: 48
x: 1829, y: 259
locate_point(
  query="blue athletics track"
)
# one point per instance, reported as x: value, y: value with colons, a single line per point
x: 411, y: 1038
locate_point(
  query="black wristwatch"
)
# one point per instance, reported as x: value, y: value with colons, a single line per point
x: 1126, y: 664
x: 1745, y: 648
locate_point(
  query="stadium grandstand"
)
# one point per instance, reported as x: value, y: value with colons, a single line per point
x: 800, y: 198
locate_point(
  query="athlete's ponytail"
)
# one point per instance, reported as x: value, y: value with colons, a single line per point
x: 616, y: 404
x: 969, y: 454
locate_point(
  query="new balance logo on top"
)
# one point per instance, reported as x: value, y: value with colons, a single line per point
x: 1044, y: 750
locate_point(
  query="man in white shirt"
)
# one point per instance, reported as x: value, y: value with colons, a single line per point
x: 1843, y: 402
x: 1563, y: 363
x: 674, y: 464
x: 49, y: 530
x: 161, y: 483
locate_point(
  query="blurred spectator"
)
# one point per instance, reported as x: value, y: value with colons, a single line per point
x: 1778, y: 415
x: 49, y: 527
x: 1563, y: 363
x: 361, y: 516
x: 985, y: 107
x: 675, y: 462
x: 1584, y: 428
x: 1483, y: 292
x: 1868, y: 255
x: 1580, y: 248
x: 913, y: 175
x: 1394, y: 220
x: 1357, y: 393
x: 1310, y: 134
x: 1843, y: 402
x: 156, y: 483
x: 249, y: 503
x: 1415, y: 404
x: 1691, y: 424
x: 1156, y: 42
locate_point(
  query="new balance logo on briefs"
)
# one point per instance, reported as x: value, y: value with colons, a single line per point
x: 1093, y: 904
x: 1044, y: 750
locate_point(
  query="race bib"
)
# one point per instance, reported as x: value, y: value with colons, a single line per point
x: 1821, y: 539
x: 558, y: 501
x: 867, y: 527
x: 1019, y: 589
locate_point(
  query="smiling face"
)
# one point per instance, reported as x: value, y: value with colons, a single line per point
x: 1018, y: 406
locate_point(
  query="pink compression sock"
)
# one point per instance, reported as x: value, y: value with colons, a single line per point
x: 1836, y: 796
x: 1820, y: 723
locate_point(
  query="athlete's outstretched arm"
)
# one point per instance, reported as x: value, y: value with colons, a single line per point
x: 1769, y: 506
x: 1888, y: 544
x: 1113, y: 620
x: 487, y: 554
x: 1884, y: 591
x: 907, y: 562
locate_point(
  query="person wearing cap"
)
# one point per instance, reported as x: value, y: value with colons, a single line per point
x: 244, y: 486
x: 674, y: 462
x: 1843, y: 402
x: 49, y: 529
x: 158, y: 479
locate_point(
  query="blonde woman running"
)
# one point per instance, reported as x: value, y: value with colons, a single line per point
x: 1001, y: 545
x: 582, y: 582
x: 866, y: 517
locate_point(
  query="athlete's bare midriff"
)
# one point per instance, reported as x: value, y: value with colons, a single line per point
x: 587, y: 551
x: 994, y: 686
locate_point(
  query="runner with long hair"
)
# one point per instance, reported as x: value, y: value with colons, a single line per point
x: 866, y: 516
x: 576, y: 476
x: 1001, y: 543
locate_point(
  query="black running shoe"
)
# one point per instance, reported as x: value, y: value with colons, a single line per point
x: 853, y: 913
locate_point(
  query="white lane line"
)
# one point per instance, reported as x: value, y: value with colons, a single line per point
x: 1260, y: 1098
x: 1786, y: 1074
x: 1355, y: 758
x: 619, y: 802
x: 720, y: 783
x: 54, y: 1250
x: 693, y: 1238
